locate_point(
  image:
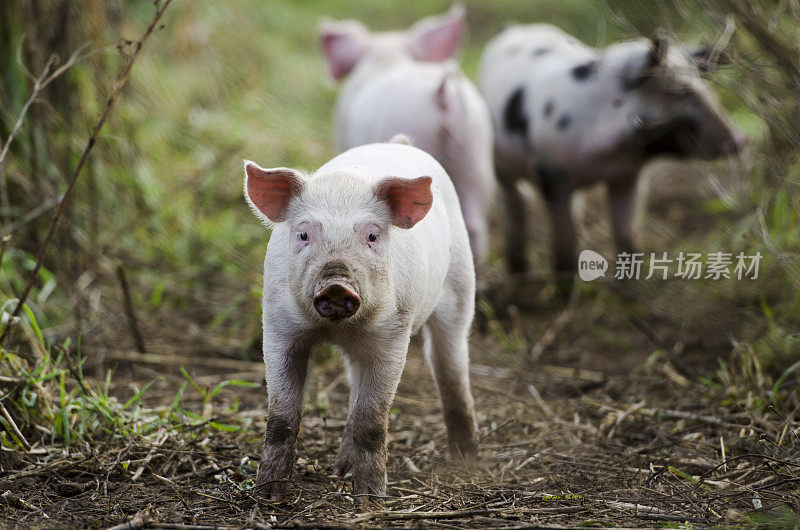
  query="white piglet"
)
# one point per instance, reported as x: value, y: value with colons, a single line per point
x: 405, y: 82
x: 364, y: 253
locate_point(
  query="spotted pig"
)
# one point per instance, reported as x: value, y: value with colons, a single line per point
x: 568, y: 116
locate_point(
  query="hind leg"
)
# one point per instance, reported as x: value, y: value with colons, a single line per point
x: 475, y: 219
x: 447, y: 354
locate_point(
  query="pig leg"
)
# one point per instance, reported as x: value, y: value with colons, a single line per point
x: 344, y: 456
x: 475, y: 219
x: 474, y: 179
x: 286, y: 364
x: 558, y: 196
x: 447, y: 353
x: 516, y: 228
x: 375, y: 379
x: 622, y: 198
x: 579, y: 200
x: 478, y: 231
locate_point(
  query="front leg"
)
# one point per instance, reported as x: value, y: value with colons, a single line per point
x: 622, y: 199
x: 286, y: 364
x: 516, y: 230
x: 376, y: 376
x: 557, y: 194
x: 345, y: 454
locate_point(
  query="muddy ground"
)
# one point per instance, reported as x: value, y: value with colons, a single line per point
x: 609, y: 422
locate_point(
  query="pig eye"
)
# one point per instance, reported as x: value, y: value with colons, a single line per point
x: 303, y: 236
x: 373, y: 237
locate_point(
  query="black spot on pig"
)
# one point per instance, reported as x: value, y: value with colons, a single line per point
x: 582, y: 72
x: 617, y: 103
x: 548, y: 109
x: 514, y: 118
x: 538, y: 52
x: 563, y: 122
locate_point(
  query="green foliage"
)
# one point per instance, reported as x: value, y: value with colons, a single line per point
x: 54, y: 398
x: 239, y: 79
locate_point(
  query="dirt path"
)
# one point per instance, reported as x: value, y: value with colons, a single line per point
x: 564, y: 442
x: 609, y: 426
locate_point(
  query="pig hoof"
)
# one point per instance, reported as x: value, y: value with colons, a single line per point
x: 463, y: 450
x: 342, y: 465
x: 272, y: 481
x: 369, y: 487
x: 274, y: 491
x: 366, y: 502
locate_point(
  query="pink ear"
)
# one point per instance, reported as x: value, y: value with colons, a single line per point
x: 409, y: 200
x: 344, y: 44
x: 437, y: 38
x: 269, y: 190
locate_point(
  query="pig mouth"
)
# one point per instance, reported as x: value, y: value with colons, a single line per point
x: 337, y: 299
x: 677, y: 138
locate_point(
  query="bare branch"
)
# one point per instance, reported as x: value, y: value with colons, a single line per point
x: 13, y: 426
x: 39, y: 84
x: 123, y: 78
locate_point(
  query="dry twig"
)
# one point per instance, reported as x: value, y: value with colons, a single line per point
x: 15, y: 430
x: 39, y: 84
x: 552, y: 331
x: 76, y: 173
x: 138, y: 338
x: 3, y: 242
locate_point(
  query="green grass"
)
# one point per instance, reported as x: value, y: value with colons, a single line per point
x: 50, y: 395
x: 239, y: 79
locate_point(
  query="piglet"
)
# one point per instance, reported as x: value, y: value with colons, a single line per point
x: 568, y: 116
x: 364, y: 253
x: 405, y: 82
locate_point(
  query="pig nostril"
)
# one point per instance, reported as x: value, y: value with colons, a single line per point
x: 336, y: 301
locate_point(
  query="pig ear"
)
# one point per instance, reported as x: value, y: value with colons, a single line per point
x: 268, y: 191
x: 656, y: 55
x: 409, y: 200
x: 437, y: 38
x: 707, y: 58
x: 659, y: 46
x: 344, y: 44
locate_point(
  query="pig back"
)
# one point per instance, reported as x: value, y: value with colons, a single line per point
x: 406, y: 98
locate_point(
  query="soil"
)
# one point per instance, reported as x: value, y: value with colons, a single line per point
x: 607, y: 424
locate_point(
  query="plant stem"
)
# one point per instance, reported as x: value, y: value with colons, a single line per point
x: 92, y: 140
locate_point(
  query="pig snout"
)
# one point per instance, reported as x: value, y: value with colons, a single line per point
x: 337, y: 300
x: 730, y: 144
